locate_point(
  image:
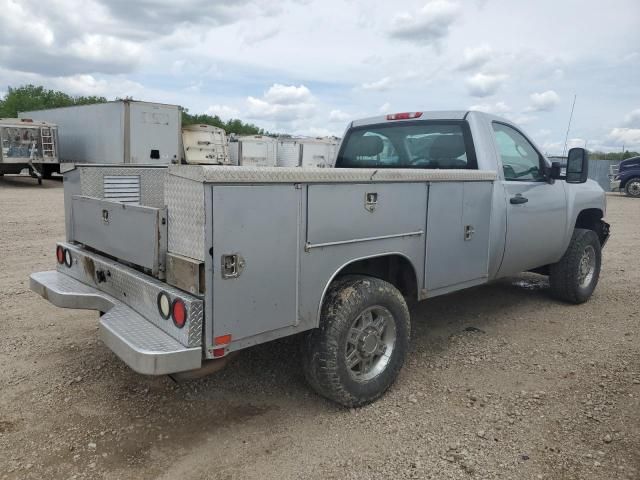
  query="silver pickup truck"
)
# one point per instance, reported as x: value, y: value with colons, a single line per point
x: 187, y: 264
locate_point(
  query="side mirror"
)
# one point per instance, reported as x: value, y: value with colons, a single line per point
x: 577, y: 165
x: 556, y: 171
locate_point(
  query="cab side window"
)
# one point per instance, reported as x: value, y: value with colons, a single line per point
x: 520, y: 161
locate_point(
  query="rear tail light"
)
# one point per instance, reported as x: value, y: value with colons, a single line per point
x: 218, y: 352
x: 404, y: 115
x: 67, y: 257
x: 164, y: 305
x: 60, y: 254
x: 179, y: 313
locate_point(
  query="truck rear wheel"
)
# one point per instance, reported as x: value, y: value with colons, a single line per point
x: 574, y: 278
x: 358, y: 350
x: 632, y: 187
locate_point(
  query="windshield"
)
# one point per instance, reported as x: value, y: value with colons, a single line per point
x: 407, y: 145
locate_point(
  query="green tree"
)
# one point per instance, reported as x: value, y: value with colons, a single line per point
x: 598, y: 155
x: 230, y: 126
x: 32, y: 97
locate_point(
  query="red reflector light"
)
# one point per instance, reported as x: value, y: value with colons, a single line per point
x: 218, y: 352
x: 60, y: 254
x: 404, y: 115
x: 179, y: 313
x: 222, y: 340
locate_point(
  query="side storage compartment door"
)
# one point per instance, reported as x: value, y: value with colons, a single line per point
x: 255, y: 258
x: 458, y: 226
x: 353, y: 213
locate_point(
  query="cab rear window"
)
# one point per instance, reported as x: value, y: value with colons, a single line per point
x: 442, y: 145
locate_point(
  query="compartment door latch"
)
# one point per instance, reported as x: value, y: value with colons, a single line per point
x: 232, y: 265
x: 370, y: 201
x: 468, y: 232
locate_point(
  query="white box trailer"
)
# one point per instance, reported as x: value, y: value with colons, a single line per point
x: 205, y: 144
x: 288, y: 152
x: 254, y: 151
x: 319, y: 152
x: 307, y: 152
x: 26, y: 144
x: 123, y: 131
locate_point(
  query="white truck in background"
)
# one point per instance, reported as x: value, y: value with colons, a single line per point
x: 28, y: 144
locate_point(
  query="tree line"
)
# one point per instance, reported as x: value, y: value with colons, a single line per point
x: 33, y: 97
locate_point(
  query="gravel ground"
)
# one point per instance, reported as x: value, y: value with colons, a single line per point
x: 501, y: 382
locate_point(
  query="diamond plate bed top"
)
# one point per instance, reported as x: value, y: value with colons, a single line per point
x: 231, y: 174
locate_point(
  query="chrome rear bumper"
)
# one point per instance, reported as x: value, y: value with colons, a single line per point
x: 140, y: 344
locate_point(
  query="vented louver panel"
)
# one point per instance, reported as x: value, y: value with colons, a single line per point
x: 122, y: 188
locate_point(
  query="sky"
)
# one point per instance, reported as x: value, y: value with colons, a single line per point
x: 311, y: 66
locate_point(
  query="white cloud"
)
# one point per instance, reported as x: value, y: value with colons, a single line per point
x: 20, y: 26
x: 90, y: 85
x: 558, y: 147
x: 379, y: 85
x: 259, y: 36
x: 495, y: 108
x: 475, y: 57
x: 225, y: 112
x: 282, y: 103
x: 219, y: 53
x: 543, y: 102
x: 339, y: 116
x: 629, y: 137
x: 384, y: 108
x: 287, y: 94
x: 429, y: 25
x: 95, y: 47
x: 632, y: 119
x: 485, y: 84
x: 520, y: 118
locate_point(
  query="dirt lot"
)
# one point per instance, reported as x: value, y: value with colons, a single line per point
x: 536, y: 389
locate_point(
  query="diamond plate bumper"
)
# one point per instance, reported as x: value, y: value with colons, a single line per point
x: 140, y: 344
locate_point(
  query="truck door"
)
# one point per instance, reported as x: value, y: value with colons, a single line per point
x: 536, y: 210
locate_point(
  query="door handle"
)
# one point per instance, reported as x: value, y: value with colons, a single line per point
x: 518, y: 199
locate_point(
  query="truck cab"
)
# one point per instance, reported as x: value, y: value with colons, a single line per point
x: 627, y: 177
x: 196, y: 262
x: 540, y: 207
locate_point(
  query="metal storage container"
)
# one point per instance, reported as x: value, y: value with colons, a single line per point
x: 123, y: 131
x: 289, y: 152
x: 205, y: 144
x: 318, y: 152
x: 307, y: 152
x: 254, y: 151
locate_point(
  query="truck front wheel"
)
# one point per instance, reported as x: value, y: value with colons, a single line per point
x: 574, y: 278
x: 632, y: 187
x: 360, y: 346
